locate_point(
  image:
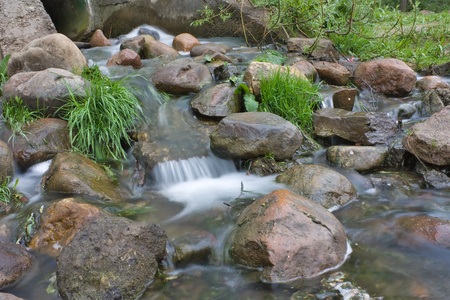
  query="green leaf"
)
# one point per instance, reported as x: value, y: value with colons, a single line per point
x: 208, y: 58
x: 250, y: 103
x: 4, y: 64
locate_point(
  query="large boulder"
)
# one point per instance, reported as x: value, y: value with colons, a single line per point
x: 15, y: 260
x: 254, y: 134
x: 430, y: 140
x: 217, y: 101
x: 320, y: 184
x: 365, y: 128
x: 182, y: 76
x: 22, y: 21
x: 52, y: 51
x: 6, y: 162
x: 71, y: 173
x: 360, y: 158
x: 388, y: 76
x: 289, y: 236
x: 59, y: 223
x: 48, y: 89
x: 43, y: 139
x: 110, y: 258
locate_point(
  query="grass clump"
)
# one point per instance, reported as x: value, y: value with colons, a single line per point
x: 99, y: 122
x: 8, y: 196
x: 291, y: 97
x: 3, y: 72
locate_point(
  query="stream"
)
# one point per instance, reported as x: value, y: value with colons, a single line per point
x: 207, y: 194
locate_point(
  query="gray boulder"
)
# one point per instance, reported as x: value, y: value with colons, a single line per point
x: 365, y: 128
x: 110, y: 258
x: 6, y: 162
x: 289, y: 236
x: 22, y: 21
x: 360, y: 158
x: 324, y: 49
x: 254, y: 134
x: 217, y: 101
x: 429, y: 140
x: 52, y: 51
x: 15, y: 260
x: 48, y: 89
x: 322, y: 185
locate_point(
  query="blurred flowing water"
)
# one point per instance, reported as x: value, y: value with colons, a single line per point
x: 207, y: 193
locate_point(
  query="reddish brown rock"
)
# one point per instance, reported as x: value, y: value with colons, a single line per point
x: 424, y: 228
x: 333, y: 73
x: 136, y: 44
x: 185, y: 42
x: 201, y: 49
x: 306, y: 68
x: 126, y: 57
x: 98, y: 39
x: 431, y: 83
x: 154, y: 49
x: 14, y: 261
x: 345, y: 99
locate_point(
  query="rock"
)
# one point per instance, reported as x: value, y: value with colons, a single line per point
x: 324, y: 49
x: 185, y: 42
x: 126, y: 57
x: 436, y: 179
x: 345, y: 99
x: 442, y: 70
x: 15, y: 260
x: 22, y: 21
x: 307, y: 69
x: 432, y: 82
x: 136, y: 44
x: 333, y: 73
x: 429, y: 140
x: 182, y: 77
x: 99, y: 39
x: 289, y: 236
x: 422, y: 228
x: 217, y: 101
x: 51, y: 51
x: 360, y: 158
x: 365, y: 128
x: 110, y: 258
x: 434, y: 101
x: 193, y: 247
x: 406, y: 111
x: 49, y: 88
x: 6, y: 296
x: 59, y: 224
x: 44, y: 139
x: 322, y: 185
x: 388, y: 76
x: 254, y: 134
x: 154, y: 49
x: 263, y: 166
x: 257, y: 70
x: 6, y: 162
x: 147, y: 31
x: 210, y: 47
x: 71, y: 173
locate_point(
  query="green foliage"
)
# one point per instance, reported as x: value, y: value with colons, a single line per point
x: 290, y: 97
x: 250, y: 102
x: 207, y: 15
x: 7, y: 194
x: 3, y: 72
x: 99, y: 122
x: 16, y: 114
x: 272, y: 56
x: 432, y: 5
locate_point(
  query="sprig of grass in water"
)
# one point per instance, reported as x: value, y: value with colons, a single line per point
x: 99, y: 122
x: 7, y: 194
x: 290, y: 97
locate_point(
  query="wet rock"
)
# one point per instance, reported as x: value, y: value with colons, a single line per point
x: 360, y: 158
x: 126, y: 57
x: 431, y: 83
x: 51, y: 51
x: 263, y: 166
x: 322, y: 185
x: 406, y: 110
x: 210, y: 47
x: 6, y: 162
x: 388, y: 76
x: 182, y: 77
x: 436, y: 179
x: 44, y: 139
x: 324, y: 49
x: 217, y: 101
x: 345, y: 99
x: 442, y: 70
x: 6, y: 296
x: 49, y: 88
x: 136, y: 44
x: 254, y: 134
x: 153, y: 49
x: 289, y: 236
x: 99, y: 39
x: 15, y: 260
x: 397, y: 157
x: 22, y: 21
x: 422, y: 228
x: 110, y: 258
x: 59, y: 223
x: 193, y: 247
x: 429, y: 140
x: 213, y: 57
x: 185, y: 42
x: 434, y: 101
x: 147, y: 31
x: 306, y: 68
x: 333, y: 73
x: 365, y: 128
x: 257, y: 70
x: 71, y: 173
